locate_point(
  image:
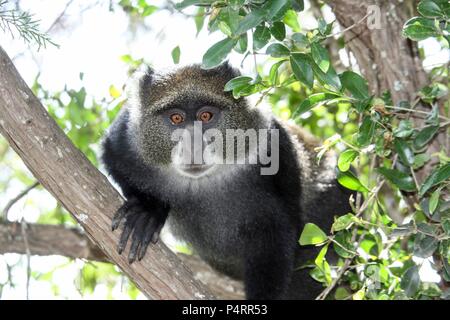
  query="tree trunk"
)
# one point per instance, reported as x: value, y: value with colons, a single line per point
x: 386, y: 59
x: 86, y: 193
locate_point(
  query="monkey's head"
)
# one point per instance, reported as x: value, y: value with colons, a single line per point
x: 178, y: 117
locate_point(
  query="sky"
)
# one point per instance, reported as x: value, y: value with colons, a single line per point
x: 92, y: 42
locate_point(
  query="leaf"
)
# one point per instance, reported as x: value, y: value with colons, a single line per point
x: 419, y: 29
x: 237, y: 82
x: 320, y: 56
x: 356, y: 84
x: 424, y: 136
x: 404, y: 129
x: 261, y: 37
x: 343, y: 222
x: 434, y: 200
x: 218, y: 53
x: 251, y: 20
x: 350, y: 181
x: 176, y: 55
x: 420, y: 160
x: 344, y: 248
x: 186, y: 3
x: 410, y: 281
x: 291, y: 19
x: 241, y: 46
x: 278, y: 30
x: 429, y: 9
x: 273, y: 74
x: 424, y: 245
x: 312, y: 234
x: 301, y: 66
x: 313, y: 101
x: 366, y: 131
x: 402, y: 180
x: 300, y: 40
x: 276, y: 9
x: 330, y: 78
x: 437, y: 176
x: 277, y: 50
x: 404, y: 151
x: 346, y: 158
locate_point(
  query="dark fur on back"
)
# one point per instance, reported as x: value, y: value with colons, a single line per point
x: 243, y: 223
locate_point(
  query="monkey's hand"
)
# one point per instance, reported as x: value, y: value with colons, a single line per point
x: 143, y: 221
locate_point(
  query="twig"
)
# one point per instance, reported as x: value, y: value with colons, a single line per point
x: 8, y: 206
x: 349, y: 27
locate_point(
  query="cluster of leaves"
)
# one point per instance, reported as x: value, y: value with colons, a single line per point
x: 381, y: 142
x: 23, y: 25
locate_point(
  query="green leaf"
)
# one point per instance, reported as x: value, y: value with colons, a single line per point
x: 218, y: 53
x: 402, y: 180
x: 278, y: 30
x: 424, y: 245
x: 404, y: 129
x: 298, y: 5
x: 237, y: 82
x: 241, y: 46
x: 277, y: 50
x: 176, y: 55
x: 424, y: 136
x: 366, y: 131
x: 437, y: 176
x: 410, y: 282
x: 251, y: 20
x: 343, y: 222
x: 434, y: 200
x: 356, y: 84
x: 291, y: 19
x: 350, y: 181
x: 320, y: 56
x: 273, y: 74
x: 404, y: 151
x: 313, y: 101
x: 301, y: 66
x: 429, y: 9
x: 420, y: 160
x: 330, y: 78
x: 276, y: 9
x: 344, y: 248
x: 346, y: 158
x: 312, y: 234
x: 419, y: 29
x: 187, y: 3
x: 261, y: 37
x: 300, y: 40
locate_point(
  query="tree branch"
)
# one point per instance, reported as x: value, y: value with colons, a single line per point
x: 45, y: 240
x: 86, y: 193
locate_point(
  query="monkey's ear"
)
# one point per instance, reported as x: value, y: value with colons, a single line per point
x: 227, y: 71
x: 145, y: 75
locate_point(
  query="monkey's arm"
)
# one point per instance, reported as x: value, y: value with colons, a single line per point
x: 144, y: 215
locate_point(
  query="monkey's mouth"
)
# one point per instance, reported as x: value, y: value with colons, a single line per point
x: 195, y: 170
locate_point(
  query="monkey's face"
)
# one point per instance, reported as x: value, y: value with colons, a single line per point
x: 184, y: 119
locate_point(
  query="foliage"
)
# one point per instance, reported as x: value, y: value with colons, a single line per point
x: 22, y: 23
x: 378, y: 258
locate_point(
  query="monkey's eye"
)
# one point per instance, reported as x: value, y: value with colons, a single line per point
x: 205, y: 116
x: 176, y: 118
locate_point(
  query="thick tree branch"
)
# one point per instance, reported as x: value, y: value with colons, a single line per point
x: 45, y: 240
x: 67, y: 174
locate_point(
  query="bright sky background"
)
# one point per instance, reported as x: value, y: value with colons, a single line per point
x: 92, y: 43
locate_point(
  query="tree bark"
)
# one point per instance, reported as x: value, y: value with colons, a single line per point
x: 45, y: 240
x: 86, y: 193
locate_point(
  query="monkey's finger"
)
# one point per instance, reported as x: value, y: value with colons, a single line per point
x: 138, y: 234
x: 155, y: 236
x: 118, y: 216
x: 129, y: 224
x: 148, y: 234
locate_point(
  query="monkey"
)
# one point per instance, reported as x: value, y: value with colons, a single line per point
x: 244, y: 223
